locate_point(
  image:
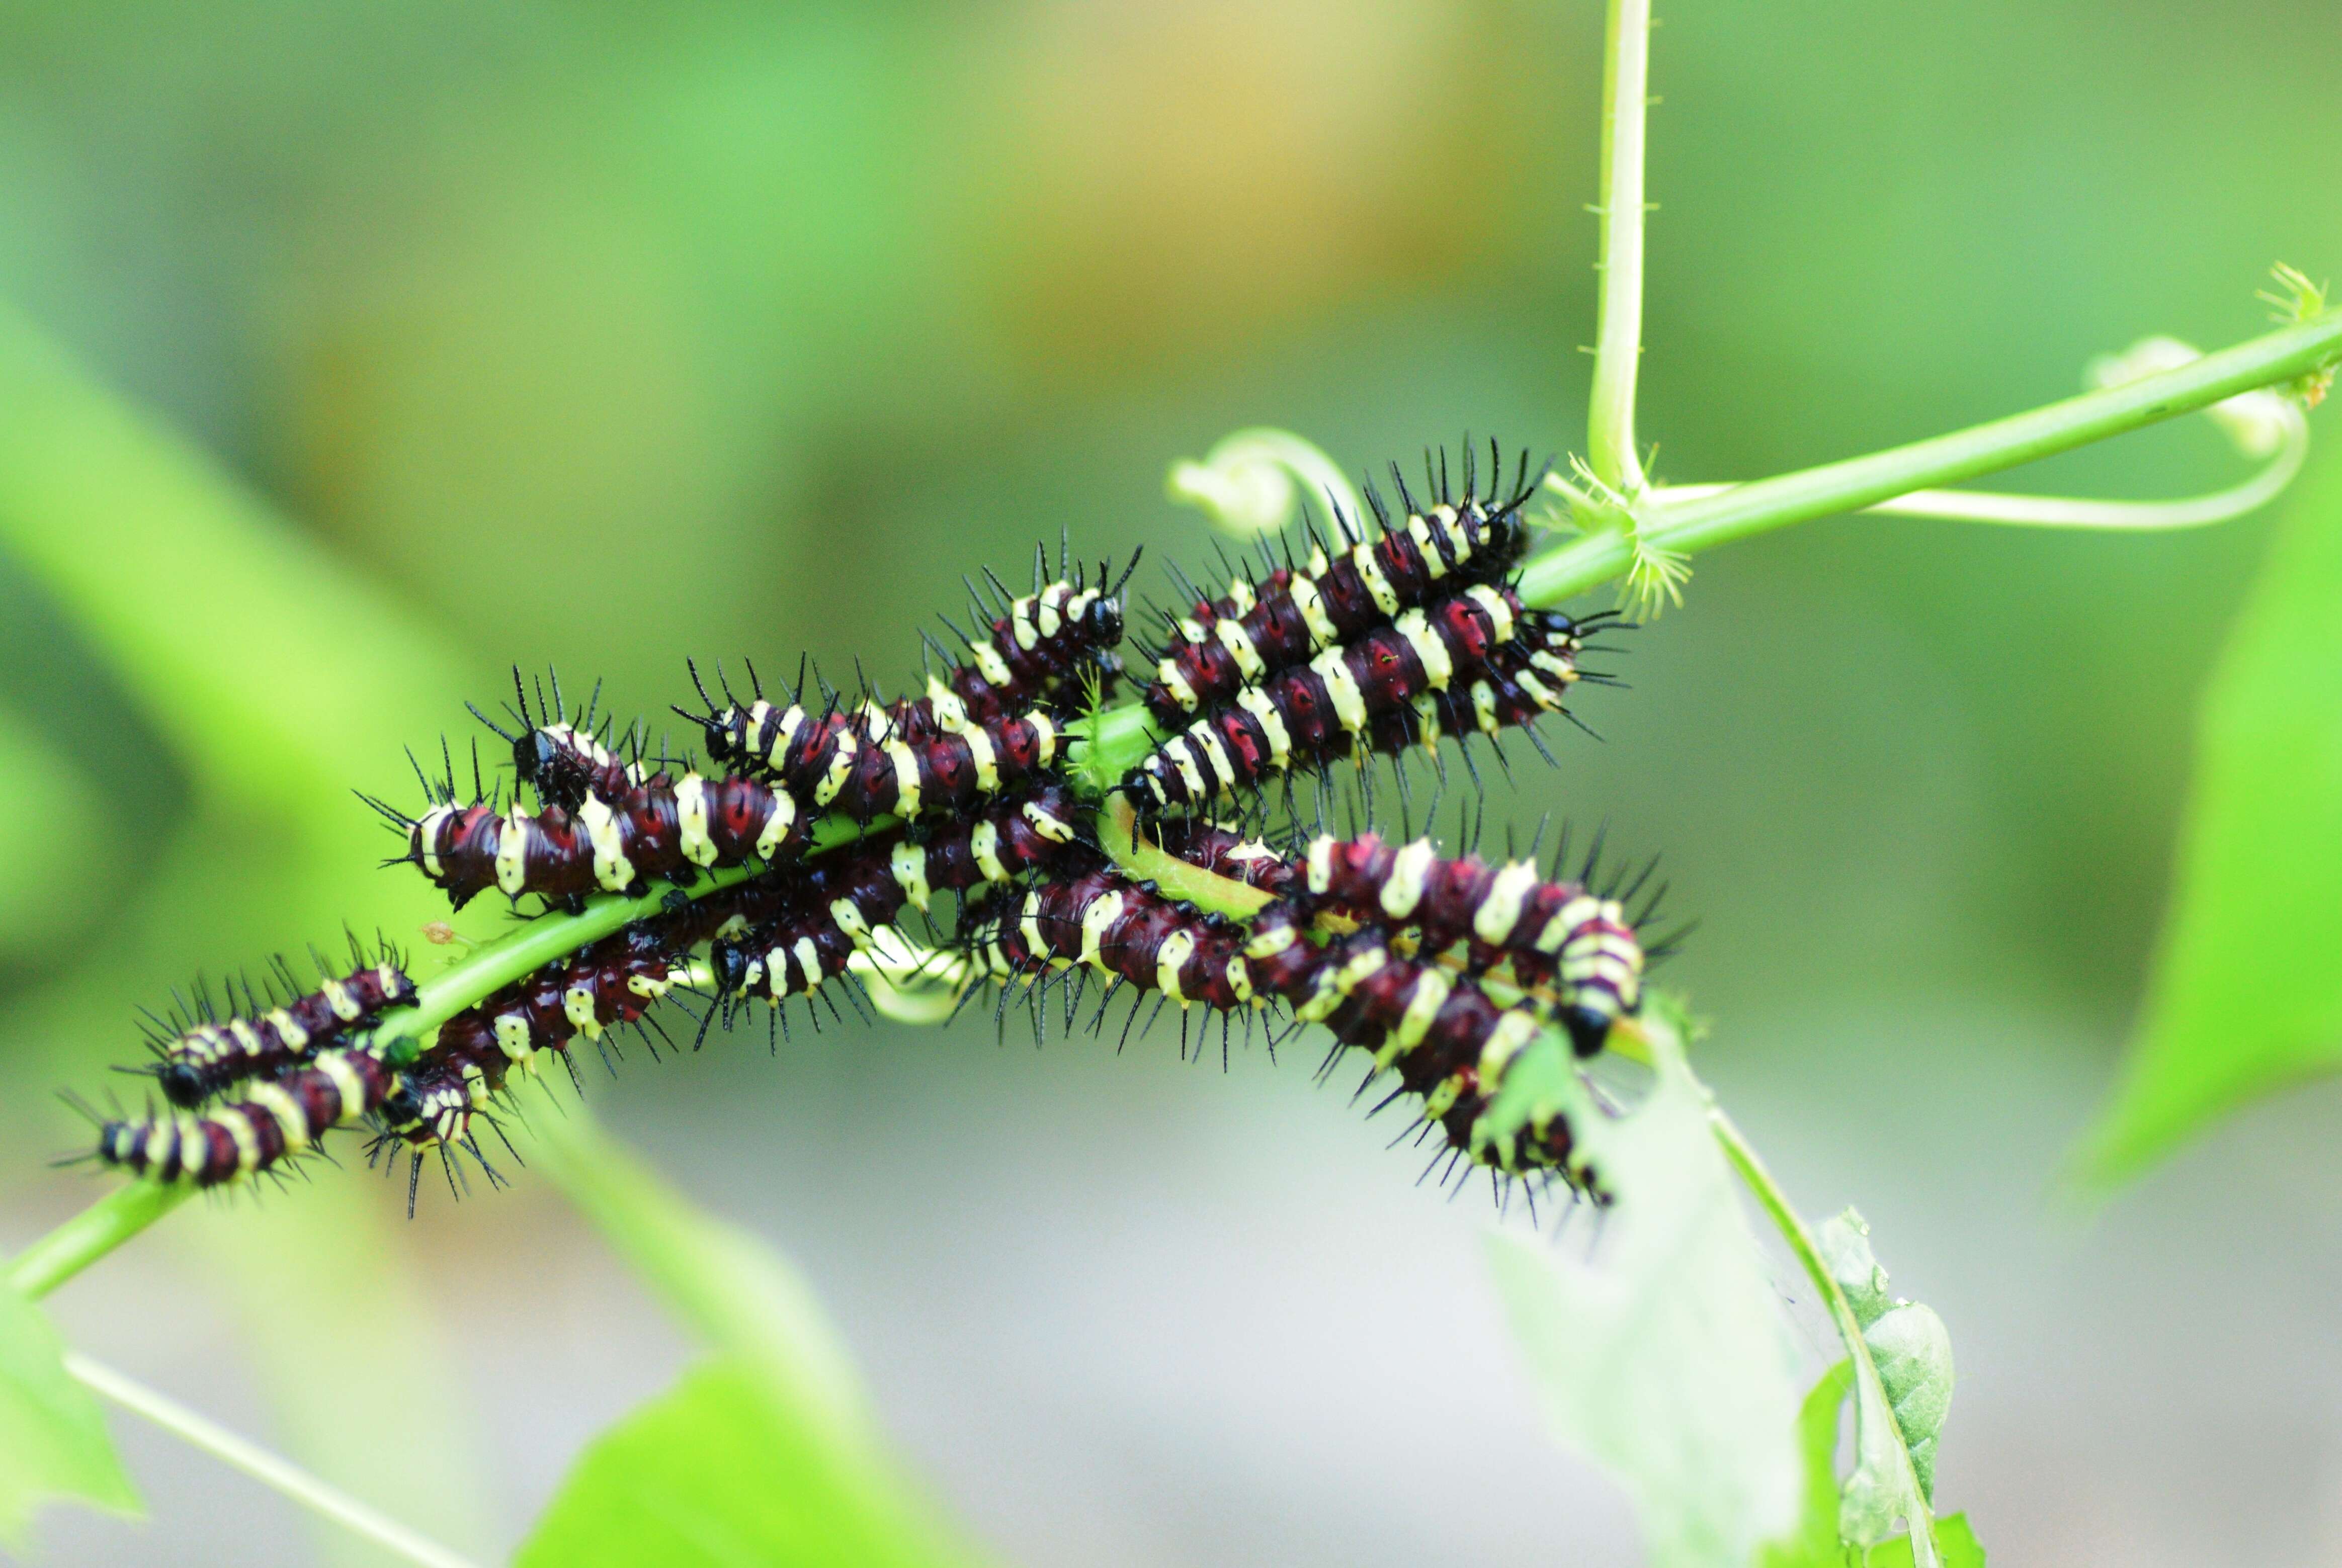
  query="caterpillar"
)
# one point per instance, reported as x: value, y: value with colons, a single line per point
x: 1039, y: 647
x: 200, y: 1061
x: 278, y: 1118
x: 1549, y: 932
x: 1380, y: 694
x: 1449, y: 1040
x: 1033, y: 662
x: 1259, y: 628
x: 900, y: 759
x: 844, y: 900
x: 564, y: 762
x: 661, y: 827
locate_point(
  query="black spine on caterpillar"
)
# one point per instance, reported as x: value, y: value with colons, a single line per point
x: 1040, y: 649
x: 204, y: 1060
x: 901, y: 759
x: 279, y: 1117
x: 1448, y: 1040
x: 659, y: 828
x: 562, y: 761
x: 1551, y: 932
x: 1297, y: 612
x: 1445, y: 1037
x: 1376, y: 694
x: 607, y: 984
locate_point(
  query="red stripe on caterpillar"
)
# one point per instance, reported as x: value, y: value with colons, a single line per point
x: 208, y: 1057
x: 1551, y: 932
x: 1258, y: 628
x: 278, y: 1118
x: 1379, y: 694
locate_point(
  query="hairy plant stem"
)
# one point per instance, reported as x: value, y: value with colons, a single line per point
x: 319, y: 1496
x: 1792, y: 1226
x: 1618, y: 310
x: 401, y: 1036
x: 1116, y: 739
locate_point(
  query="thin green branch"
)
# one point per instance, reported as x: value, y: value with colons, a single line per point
x: 1786, y: 1219
x: 90, y: 1234
x: 1246, y: 482
x: 1688, y: 526
x: 1619, y: 325
x: 2007, y: 509
x: 270, y: 1470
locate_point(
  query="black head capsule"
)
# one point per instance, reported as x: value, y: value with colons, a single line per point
x: 182, y: 1083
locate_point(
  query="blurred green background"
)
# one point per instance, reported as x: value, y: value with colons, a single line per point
x: 601, y: 337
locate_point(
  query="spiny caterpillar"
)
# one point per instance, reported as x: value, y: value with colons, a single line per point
x: 1260, y: 628
x: 1548, y: 931
x: 1448, y: 1039
x: 1036, y: 650
x: 565, y: 764
x: 279, y: 1116
x: 1443, y: 968
x: 843, y: 901
x: 201, y: 1050
x: 1392, y: 688
x: 661, y: 827
x: 872, y: 759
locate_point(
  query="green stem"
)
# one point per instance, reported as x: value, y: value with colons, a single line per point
x: 1786, y: 1219
x: 90, y: 1234
x: 1619, y: 325
x: 1704, y: 521
x: 270, y: 1470
x: 1117, y: 738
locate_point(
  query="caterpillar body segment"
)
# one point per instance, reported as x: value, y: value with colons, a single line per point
x: 1340, y: 593
x: 217, y: 1052
x: 279, y: 1118
x: 1552, y: 934
x: 1378, y: 696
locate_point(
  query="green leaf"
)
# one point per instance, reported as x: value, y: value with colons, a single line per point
x: 1815, y: 1542
x: 773, y: 1454
x: 1958, y: 1543
x: 727, y: 1286
x: 2246, y: 995
x: 1899, y: 1411
x: 1668, y: 1365
x: 715, y: 1471
x: 52, y: 1441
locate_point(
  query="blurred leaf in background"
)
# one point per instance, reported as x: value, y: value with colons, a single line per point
x: 769, y: 1453
x: 53, y: 1440
x: 1666, y: 1362
x: 2246, y: 996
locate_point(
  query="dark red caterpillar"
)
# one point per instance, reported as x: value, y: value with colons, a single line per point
x: 1038, y: 649
x: 897, y: 760
x: 564, y: 763
x: 1552, y: 934
x: 200, y: 1061
x: 1379, y: 694
x: 1448, y: 1040
x: 279, y: 1117
x: 842, y: 901
x: 661, y: 827
x: 1259, y: 628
